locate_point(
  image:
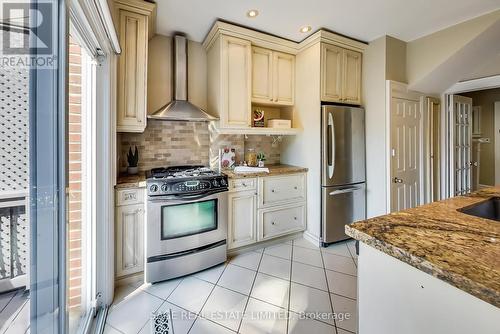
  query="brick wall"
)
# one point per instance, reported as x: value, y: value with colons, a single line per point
x: 75, y: 177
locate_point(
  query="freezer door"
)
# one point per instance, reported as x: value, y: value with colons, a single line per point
x: 342, y: 145
x: 341, y: 206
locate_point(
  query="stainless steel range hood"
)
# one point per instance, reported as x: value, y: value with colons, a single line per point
x: 180, y: 109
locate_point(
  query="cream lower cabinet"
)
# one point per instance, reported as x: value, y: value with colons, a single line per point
x: 263, y: 208
x: 129, y: 231
x: 340, y: 74
x: 242, y: 218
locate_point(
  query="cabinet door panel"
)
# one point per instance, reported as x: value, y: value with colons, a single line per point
x: 129, y: 239
x: 132, y: 72
x: 284, y: 78
x: 242, y: 220
x: 331, y: 73
x: 236, y: 79
x: 262, y: 72
x: 351, y: 83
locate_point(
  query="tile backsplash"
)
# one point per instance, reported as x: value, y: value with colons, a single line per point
x: 167, y: 143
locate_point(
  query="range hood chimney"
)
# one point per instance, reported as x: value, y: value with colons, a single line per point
x: 180, y: 109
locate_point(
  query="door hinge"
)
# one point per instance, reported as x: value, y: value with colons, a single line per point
x: 393, y: 152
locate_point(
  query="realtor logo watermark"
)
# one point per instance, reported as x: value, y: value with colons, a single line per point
x: 27, y: 34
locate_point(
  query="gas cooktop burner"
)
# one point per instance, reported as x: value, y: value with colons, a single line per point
x: 180, y: 172
x: 184, y: 180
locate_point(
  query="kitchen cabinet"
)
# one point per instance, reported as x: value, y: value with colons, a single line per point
x: 266, y: 207
x: 340, y: 74
x: 129, y: 231
x: 229, y: 81
x: 242, y: 218
x: 273, y: 77
x: 133, y: 20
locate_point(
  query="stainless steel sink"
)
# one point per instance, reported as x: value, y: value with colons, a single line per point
x: 489, y: 209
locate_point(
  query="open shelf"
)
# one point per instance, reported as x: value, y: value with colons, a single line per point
x: 259, y: 131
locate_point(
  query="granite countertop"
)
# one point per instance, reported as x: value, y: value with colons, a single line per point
x: 275, y: 169
x: 457, y: 248
x: 131, y: 181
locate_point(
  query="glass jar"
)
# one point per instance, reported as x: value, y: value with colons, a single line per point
x: 251, y: 157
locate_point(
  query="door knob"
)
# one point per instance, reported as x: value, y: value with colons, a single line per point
x: 397, y: 180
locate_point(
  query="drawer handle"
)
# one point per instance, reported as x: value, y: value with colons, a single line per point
x: 244, y: 184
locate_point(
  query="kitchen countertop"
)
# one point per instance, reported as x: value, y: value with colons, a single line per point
x: 457, y: 248
x: 275, y: 169
x: 131, y: 181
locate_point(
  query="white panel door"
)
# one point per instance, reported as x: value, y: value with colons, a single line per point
x: 460, y: 150
x: 406, y: 150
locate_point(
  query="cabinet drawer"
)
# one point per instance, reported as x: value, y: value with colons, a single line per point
x: 129, y: 196
x: 242, y: 184
x: 283, y: 220
x: 274, y: 190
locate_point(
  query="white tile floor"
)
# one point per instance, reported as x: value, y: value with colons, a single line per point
x: 292, y: 287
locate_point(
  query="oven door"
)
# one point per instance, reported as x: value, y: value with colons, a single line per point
x: 181, y: 223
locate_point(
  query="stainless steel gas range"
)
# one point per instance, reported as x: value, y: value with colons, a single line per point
x: 186, y: 221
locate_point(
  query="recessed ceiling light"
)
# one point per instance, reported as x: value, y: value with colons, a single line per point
x: 252, y: 13
x: 305, y: 29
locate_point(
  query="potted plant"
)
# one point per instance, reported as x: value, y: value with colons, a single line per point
x: 261, y: 157
x: 133, y: 159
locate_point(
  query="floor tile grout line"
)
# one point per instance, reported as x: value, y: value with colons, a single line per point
x: 164, y: 300
x: 309, y: 317
x: 329, y: 295
x: 289, y: 291
x: 251, y: 288
x: 218, y: 324
x: 213, y: 288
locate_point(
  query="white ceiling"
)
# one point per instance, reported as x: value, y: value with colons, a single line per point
x: 361, y: 19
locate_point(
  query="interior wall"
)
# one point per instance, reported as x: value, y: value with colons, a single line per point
x: 428, y: 52
x: 486, y: 100
x: 373, y: 92
x: 395, y: 60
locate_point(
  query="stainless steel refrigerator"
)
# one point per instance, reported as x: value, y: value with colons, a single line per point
x: 343, y: 176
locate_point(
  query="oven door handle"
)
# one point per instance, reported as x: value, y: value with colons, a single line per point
x: 189, y: 197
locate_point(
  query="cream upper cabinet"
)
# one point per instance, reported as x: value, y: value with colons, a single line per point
x: 351, y: 87
x: 331, y: 73
x: 273, y: 77
x: 262, y: 75
x: 133, y: 25
x: 340, y: 74
x: 229, y: 81
x: 284, y: 78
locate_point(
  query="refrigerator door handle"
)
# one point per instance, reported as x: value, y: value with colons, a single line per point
x: 331, y: 146
x: 344, y: 191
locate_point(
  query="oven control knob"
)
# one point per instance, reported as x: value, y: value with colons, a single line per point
x: 153, y: 188
x: 223, y: 182
x: 215, y: 183
x: 164, y: 187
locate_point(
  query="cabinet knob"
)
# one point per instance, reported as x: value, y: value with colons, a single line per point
x: 295, y: 218
x: 273, y: 223
x: 244, y: 184
x: 276, y: 100
x: 295, y: 188
x: 272, y: 190
x: 271, y: 99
